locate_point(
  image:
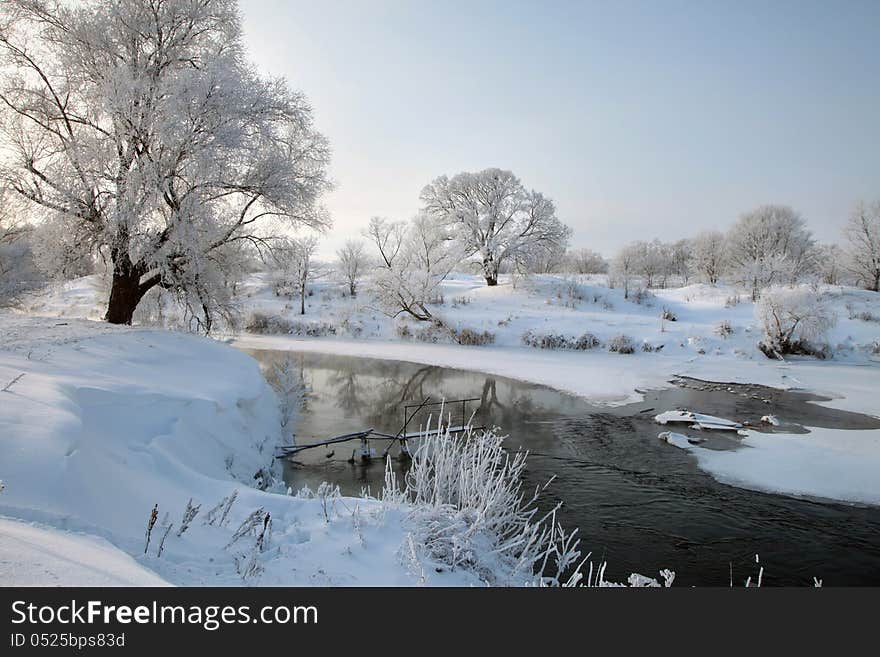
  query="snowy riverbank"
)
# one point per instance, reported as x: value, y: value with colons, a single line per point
x: 107, y: 422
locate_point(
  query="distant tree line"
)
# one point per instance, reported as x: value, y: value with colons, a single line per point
x: 770, y: 245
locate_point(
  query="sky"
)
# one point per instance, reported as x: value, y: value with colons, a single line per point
x: 639, y: 119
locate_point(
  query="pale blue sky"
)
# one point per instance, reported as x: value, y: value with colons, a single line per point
x: 640, y: 119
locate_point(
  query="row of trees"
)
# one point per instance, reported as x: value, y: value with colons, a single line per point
x: 768, y: 246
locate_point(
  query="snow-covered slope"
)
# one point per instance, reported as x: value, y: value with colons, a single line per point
x: 31, y: 555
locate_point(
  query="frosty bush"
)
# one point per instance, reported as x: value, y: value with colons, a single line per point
x: 436, y: 331
x: 642, y: 296
x: 274, y: 325
x: 473, y: 338
x: 431, y: 332
x: 468, y: 511
x: 724, y: 329
x: 621, y: 344
x: 558, y: 341
x: 794, y: 321
x: 864, y: 316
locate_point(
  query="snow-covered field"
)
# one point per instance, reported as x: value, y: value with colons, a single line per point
x: 108, y: 421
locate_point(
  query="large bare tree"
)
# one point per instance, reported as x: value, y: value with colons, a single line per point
x: 140, y: 124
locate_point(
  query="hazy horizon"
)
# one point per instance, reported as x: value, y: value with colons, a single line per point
x: 640, y: 120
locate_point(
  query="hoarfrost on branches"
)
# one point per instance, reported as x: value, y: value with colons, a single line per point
x: 144, y: 131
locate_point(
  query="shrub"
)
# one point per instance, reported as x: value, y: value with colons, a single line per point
x: 865, y: 316
x: 473, y: 338
x: 436, y: 331
x: 641, y: 296
x: 558, y: 341
x: 724, y: 329
x: 668, y: 315
x: 794, y: 321
x: 586, y: 341
x: 621, y: 344
x: 468, y: 511
x: 431, y: 332
x: 262, y: 323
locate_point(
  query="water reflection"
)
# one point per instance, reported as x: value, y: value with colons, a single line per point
x: 637, y: 501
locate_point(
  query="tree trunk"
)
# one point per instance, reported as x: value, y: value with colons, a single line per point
x: 125, y: 295
x: 490, y: 270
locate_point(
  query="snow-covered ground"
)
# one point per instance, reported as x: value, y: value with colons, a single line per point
x: 108, y: 421
x: 32, y: 555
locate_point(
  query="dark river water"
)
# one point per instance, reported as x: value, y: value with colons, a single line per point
x: 640, y: 503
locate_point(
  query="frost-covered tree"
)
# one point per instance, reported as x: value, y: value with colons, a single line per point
x: 18, y: 271
x: 141, y: 126
x: 410, y: 281
x: 388, y: 237
x: 679, y: 260
x: 542, y: 261
x: 295, y: 262
x: 352, y: 263
x: 863, y: 244
x: 768, y: 245
x: 12, y: 225
x: 586, y: 261
x: 830, y: 264
x: 707, y: 255
x: 794, y: 320
x: 495, y: 218
x: 650, y: 261
x: 625, y: 265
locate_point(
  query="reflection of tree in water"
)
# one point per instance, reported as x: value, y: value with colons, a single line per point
x: 347, y: 388
x: 375, y: 392
x: 284, y: 371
